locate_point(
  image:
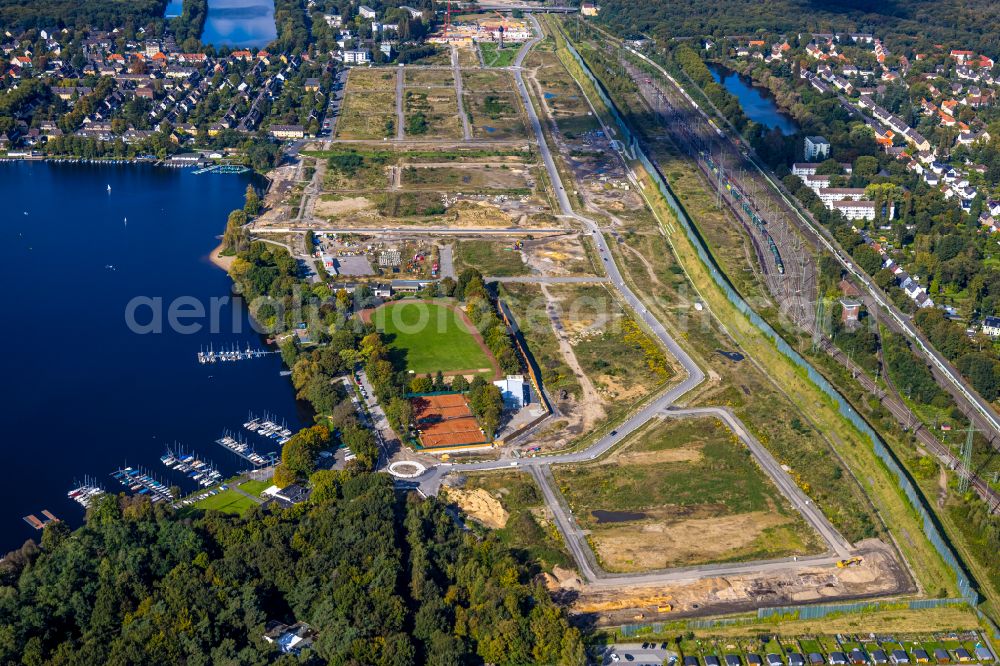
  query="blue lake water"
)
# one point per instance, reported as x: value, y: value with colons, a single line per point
x: 85, y: 394
x: 174, y: 8
x: 758, y: 103
x: 243, y: 23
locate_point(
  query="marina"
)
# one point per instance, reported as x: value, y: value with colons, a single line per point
x: 85, y: 493
x: 142, y: 483
x: 233, y: 353
x: 268, y: 427
x: 201, y: 472
x: 245, y: 450
x: 223, y: 168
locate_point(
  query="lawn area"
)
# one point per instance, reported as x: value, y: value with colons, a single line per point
x: 254, y: 487
x: 681, y: 492
x: 492, y: 258
x: 228, y: 501
x: 493, y: 56
x: 430, y: 337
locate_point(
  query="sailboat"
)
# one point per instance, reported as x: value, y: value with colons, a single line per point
x: 126, y: 221
x: 109, y: 189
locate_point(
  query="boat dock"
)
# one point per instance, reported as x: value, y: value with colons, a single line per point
x: 38, y: 523
x: 85, y: 493
x: 201, y: 472
x: 232, y: 354
x: 141, y: 483
x: 245, y: 451
x: 268, y: 427
x: 223, y: 168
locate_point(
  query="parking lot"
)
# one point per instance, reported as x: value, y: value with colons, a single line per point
x: 638, y: 654
x: 841, y: 650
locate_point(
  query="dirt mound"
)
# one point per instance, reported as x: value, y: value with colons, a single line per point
x: 480, y: 506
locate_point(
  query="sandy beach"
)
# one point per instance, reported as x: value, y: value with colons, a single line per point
x: 222, y: 262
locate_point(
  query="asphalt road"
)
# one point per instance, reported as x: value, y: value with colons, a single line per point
x: 539, y: 467
x: 541, y: 279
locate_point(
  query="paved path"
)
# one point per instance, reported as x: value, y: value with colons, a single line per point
x: 539, y: 467
x: 457, y: 71
x: 400, y: 116
x: 778, y: 475
x: 437, y: 231
x: 543, y: 279
x: 446, y: 258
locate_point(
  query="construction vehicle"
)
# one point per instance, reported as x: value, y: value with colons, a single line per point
x: 664, y: 608
x: 849, y: 562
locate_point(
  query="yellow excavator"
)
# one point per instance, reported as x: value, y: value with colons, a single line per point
x: 849, y: 562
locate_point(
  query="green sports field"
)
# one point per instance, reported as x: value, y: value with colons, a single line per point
x: 430, y: 337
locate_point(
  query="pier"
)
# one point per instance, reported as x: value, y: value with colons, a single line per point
x: 37, y: 523
x: 142, y: 483
x: 201, y: 472
x: 232, y: 354
x: 245, y: 451
x: 268, y: 427
x: 223, y: 168
x: 86, y: 493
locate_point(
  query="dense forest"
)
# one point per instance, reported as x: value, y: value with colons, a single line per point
x: 99, y: 14
x: 905, y: 25
x: 382, y: 579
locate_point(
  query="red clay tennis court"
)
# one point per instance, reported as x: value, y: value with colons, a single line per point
x: 446, y: 420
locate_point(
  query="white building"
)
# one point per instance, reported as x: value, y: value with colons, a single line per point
x: 816, y: 149
x: 855, y: 210
x: 357, y: 57
x: 515, y: 391
x: 991, y: 326
x: 367, y: 12
x: 828, y: 195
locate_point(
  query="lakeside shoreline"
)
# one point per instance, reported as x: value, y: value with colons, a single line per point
x: 216, y: 258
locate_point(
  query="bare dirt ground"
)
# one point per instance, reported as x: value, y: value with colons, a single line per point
x: 666, y: 542
x: 277, y: 210
x: 557, y: 257
x: 344, y: 206
x: 478, y: 504
x: 591, y: 405
x: 878, y: 574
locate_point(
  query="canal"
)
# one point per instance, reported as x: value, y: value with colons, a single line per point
x: 758, y: 103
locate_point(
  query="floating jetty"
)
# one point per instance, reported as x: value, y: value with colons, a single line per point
x: 141, y: 483
x: 268, y: 427
x: 245, y: 451
x: 223, y: 168
x: 39, y: 523
x: 85, y: 493
x: 201, y: 472
x: 234, y: 353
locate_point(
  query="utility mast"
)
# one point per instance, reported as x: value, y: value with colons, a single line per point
x: 965, y: 474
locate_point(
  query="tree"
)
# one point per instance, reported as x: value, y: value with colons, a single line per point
x: 251, y: 205
x: 486, y: 403
x: 868, y: 259
x: 421, y: 385
x: 399, y: 411
x: 459, y: 383
x: 300, y: 453
x: 234, y: 239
